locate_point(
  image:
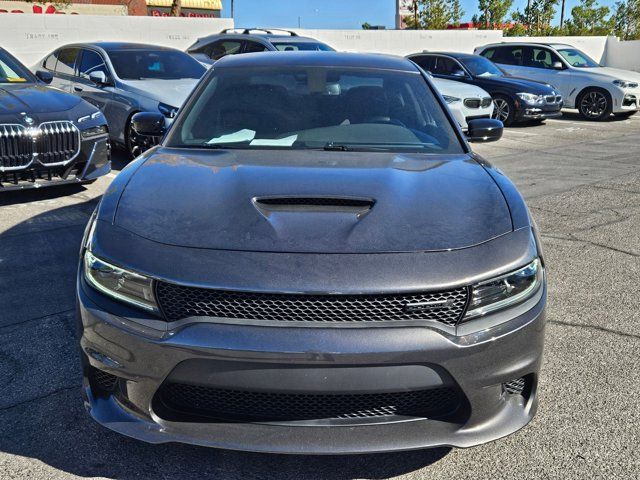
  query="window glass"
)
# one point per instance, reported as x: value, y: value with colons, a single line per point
x: 539, y: 58
x: 154, y: 64
x: 508, y: 55
x: 91, y: 62
x: 425, y: 62
x: 224, y: 47
x: 303, y: 46
x: 254, y: 47
x: 489, y: 53
x: 446, y: 66
x: 316, y: 108
x: 66, y: 61
x: 481, y: 67
x: 12, y: 71
x: 50, y: 62
x: 577, y: 59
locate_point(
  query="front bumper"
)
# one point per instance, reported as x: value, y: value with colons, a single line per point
x: 538, y: 112
x: 93, y: 161
x: 310, y: 361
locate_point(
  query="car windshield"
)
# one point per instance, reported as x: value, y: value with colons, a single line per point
x: 12, y: 71
x: 316, y: 108
x: 481, y: 67
x: 577, y: 59
x: 155, y: 64
x: 302, y: 46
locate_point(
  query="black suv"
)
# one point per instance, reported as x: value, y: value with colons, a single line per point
x: 233, y: 41
x: 515, y: 99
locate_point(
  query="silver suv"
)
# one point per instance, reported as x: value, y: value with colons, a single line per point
x: 233, y: 41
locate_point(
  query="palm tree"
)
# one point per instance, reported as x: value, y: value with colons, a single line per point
x: 176, y: 8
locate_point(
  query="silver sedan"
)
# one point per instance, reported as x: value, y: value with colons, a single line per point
x: 122, y: 79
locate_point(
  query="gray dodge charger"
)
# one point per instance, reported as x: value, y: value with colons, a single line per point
x: 313, y: 260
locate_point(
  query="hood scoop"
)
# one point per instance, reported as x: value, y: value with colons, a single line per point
x: 313, y: 204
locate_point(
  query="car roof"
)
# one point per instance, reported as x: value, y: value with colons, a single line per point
x: 318, y: 59
x: 539, y: 44
x: 110, y: 46
x: 447, y: 54
x: 270, y: 37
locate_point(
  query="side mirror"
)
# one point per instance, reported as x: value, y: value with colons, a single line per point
x: 45, y: 77
x: 484, y: 130
x: 458, y: 73
x: 148, y: 123
x: 557, y: 66
x: 99, y: 78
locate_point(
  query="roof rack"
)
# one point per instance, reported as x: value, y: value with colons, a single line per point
x: 249, y: 31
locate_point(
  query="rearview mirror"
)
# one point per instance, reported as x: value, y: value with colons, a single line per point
x: 484, y: 130
x: 557, y: 65
x: 43, y: 76
x: 99, y: 78
x: 148, y: 123
x: 458, y: 73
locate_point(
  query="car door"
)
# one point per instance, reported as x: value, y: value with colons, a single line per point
x: 102, y: 96
x: 65, y: 68
x: 539, y: 64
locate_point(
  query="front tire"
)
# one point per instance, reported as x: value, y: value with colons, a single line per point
x: 503, y: 109
x: 595, y: 104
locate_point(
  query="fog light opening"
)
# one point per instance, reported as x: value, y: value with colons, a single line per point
x: 518, y: 386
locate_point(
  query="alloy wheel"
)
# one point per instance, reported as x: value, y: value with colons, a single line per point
x: 501, y: 109
x: 594, y: 104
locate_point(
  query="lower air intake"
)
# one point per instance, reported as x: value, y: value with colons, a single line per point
x: 253, y: 406
x: 515, y: 387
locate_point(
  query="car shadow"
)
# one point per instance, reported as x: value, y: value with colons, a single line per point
x: 41, y: 412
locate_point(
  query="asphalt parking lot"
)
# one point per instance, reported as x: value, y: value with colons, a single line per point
x: 582, y: 183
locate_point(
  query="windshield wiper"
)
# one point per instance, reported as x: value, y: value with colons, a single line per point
x: 335, y: 147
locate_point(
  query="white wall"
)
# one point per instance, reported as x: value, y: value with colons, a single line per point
x: 30, y: 37
x: 403, y: 42
x: 625, y: 55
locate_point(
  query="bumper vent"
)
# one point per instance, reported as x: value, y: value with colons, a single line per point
x: 101, y: 380
x: 252, y: 406
x: 178, y: 302
x: 515, y: 387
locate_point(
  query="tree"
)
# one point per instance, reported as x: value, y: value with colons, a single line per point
x: 588, y: 18
x: 536, y: 17
x: 492, y: 14
x: 626, y: 20
x: 434, y: 14
x: 176, y: 8
x: 366, y: 26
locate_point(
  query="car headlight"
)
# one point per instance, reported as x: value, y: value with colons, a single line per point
x: 94, y: 132
x: 450, y: 100
x: 93, y: 116
x: 505, y: 291
x: 530, y: 98
x: 167, y: 110
x: 118, y: 283
x: 625, y: 84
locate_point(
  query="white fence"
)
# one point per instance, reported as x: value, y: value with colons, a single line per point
x: 31, y: 37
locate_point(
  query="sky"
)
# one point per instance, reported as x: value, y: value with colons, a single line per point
x: 337, y: 14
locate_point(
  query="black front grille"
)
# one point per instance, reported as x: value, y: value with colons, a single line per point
x: 486, y: 101
x: 253, y: 406
x: 472, y: 102
x: 178, y: 302
x: 58, y: 142
x: 16, y: 147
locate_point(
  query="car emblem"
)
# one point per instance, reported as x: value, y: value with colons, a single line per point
x: 427, y: 306
x: 27, y: 119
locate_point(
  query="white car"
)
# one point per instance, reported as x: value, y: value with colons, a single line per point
x: 466, y: 102
x: 595, y: 91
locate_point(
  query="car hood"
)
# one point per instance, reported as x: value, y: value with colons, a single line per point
x: 171, y: 92
x: 516, y: 83
x: 33, y: 98
x: 613, y: 73
x: 206, y: 199
x: 458, y: 89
